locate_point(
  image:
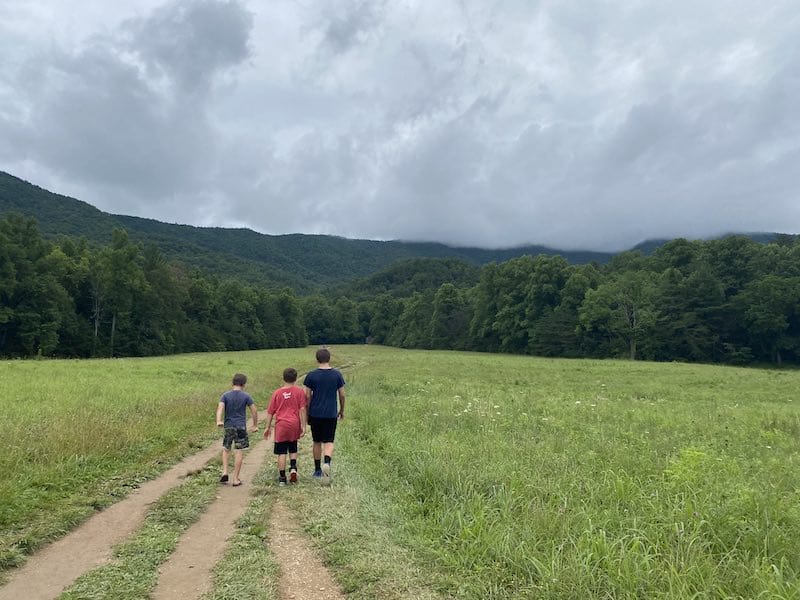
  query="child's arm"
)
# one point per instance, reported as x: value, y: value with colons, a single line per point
x: 303, y: 421
x: 220, y: 409
x: 268, y: 427
x: 341, y: 402
x: 254, y: 411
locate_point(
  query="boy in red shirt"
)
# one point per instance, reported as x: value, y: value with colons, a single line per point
x: 288, y: 407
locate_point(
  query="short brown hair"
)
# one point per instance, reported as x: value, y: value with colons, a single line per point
x: 323, y: 355
x: 290, y: 375
x: 239, y: 379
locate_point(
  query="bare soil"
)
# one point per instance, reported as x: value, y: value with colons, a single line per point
x: 303, y: 576
x: 56, y: 566
x: 187, y: 574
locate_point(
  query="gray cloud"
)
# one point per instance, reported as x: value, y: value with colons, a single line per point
x: 471, y: 123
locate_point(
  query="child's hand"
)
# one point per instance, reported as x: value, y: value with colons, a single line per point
x: 302, y: 432
x: 267, y: 432
x: 220, y: 423
x: 253, y: 428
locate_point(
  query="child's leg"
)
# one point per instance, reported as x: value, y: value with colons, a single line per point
x: 237, y: 466
x: 225, y: 454
x: 281, y: 462
x: 328, y: 451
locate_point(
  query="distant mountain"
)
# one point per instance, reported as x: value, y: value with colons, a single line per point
x: 303, y: 262
x: 300, y: 261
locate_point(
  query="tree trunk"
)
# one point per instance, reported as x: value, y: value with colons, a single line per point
x: 113, y: 327
x: 633, y: 348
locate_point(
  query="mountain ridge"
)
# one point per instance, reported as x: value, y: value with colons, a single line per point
x: 304, y: 262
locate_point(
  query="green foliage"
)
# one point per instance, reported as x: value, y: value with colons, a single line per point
x: 128, y: 292
x: 125, y: 299
x: 304, y: 263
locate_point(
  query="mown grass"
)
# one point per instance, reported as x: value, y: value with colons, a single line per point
x: 248, y: 570
x: 133, y: 573
x: 78, y: 435
x: 520, y: 477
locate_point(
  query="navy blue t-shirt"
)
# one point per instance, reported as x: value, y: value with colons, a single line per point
x: 236, y: 403
x: 324, y: 385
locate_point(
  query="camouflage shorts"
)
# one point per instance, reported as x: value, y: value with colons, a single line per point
x: 235, y: 437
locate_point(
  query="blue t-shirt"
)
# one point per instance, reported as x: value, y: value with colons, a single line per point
x: 236, y: 403
x: 324, y: 385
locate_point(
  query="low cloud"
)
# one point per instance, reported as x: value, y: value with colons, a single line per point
x: 576, y: 126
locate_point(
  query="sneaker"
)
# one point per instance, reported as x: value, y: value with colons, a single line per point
x: 317, y: 474
x: 293, y: 476
x: 326, y: 474
x: 281, y: 481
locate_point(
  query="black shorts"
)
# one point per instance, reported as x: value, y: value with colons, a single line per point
x: 285, y: 447
x: 235, y: 437
x: 322, y: 430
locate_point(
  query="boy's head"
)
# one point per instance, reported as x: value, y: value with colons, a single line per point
x: 323, y: 355
x: 290, y: 375
x: 239, y: 379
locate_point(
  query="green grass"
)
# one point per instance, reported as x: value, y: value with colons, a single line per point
x: 78, y: 435
x: 133, y: 573
x: 248, y: 570
x: 456, y: 475
x: 522, y: 477
x: 357, y: 528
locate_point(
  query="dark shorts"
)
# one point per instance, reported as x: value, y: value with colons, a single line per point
x: 285, y: 447
x: 236, y: 437
x: 322, y: 430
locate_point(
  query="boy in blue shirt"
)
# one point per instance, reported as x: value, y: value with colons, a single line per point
x: 233, y: 405
x: 324, y: 385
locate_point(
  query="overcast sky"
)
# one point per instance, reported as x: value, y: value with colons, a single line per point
x: 587, y: 124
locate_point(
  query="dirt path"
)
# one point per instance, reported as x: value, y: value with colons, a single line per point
x: 303, y: 576
x: 187, y: 573
x: 56, y: 566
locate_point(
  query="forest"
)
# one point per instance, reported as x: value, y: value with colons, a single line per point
x: 730, y: 300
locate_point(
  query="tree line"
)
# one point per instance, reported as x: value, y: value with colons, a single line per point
x: 731, y: 300
x: 68, y: 299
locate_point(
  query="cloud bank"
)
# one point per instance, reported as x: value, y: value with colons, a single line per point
x: 470, y: 123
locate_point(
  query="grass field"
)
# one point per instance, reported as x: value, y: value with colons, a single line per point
x: 77, y: 435
x: 481, y: 476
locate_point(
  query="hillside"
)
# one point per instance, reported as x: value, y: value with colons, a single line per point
x: 292, y: 260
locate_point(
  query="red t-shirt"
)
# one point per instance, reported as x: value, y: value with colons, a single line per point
x: 285, y: 404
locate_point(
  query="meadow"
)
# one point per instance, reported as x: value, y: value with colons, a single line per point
x: 464, y: 474
x: 76, y: 435
x: 522, y: 477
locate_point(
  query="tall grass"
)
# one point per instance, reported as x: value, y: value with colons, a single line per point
x: 524, y: 477
x: 76, y: 435
x: 496, y: 476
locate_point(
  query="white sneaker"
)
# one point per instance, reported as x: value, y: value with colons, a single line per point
x: 326, y: 474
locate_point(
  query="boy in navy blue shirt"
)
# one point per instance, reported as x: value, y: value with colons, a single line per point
x: 324, y: 385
